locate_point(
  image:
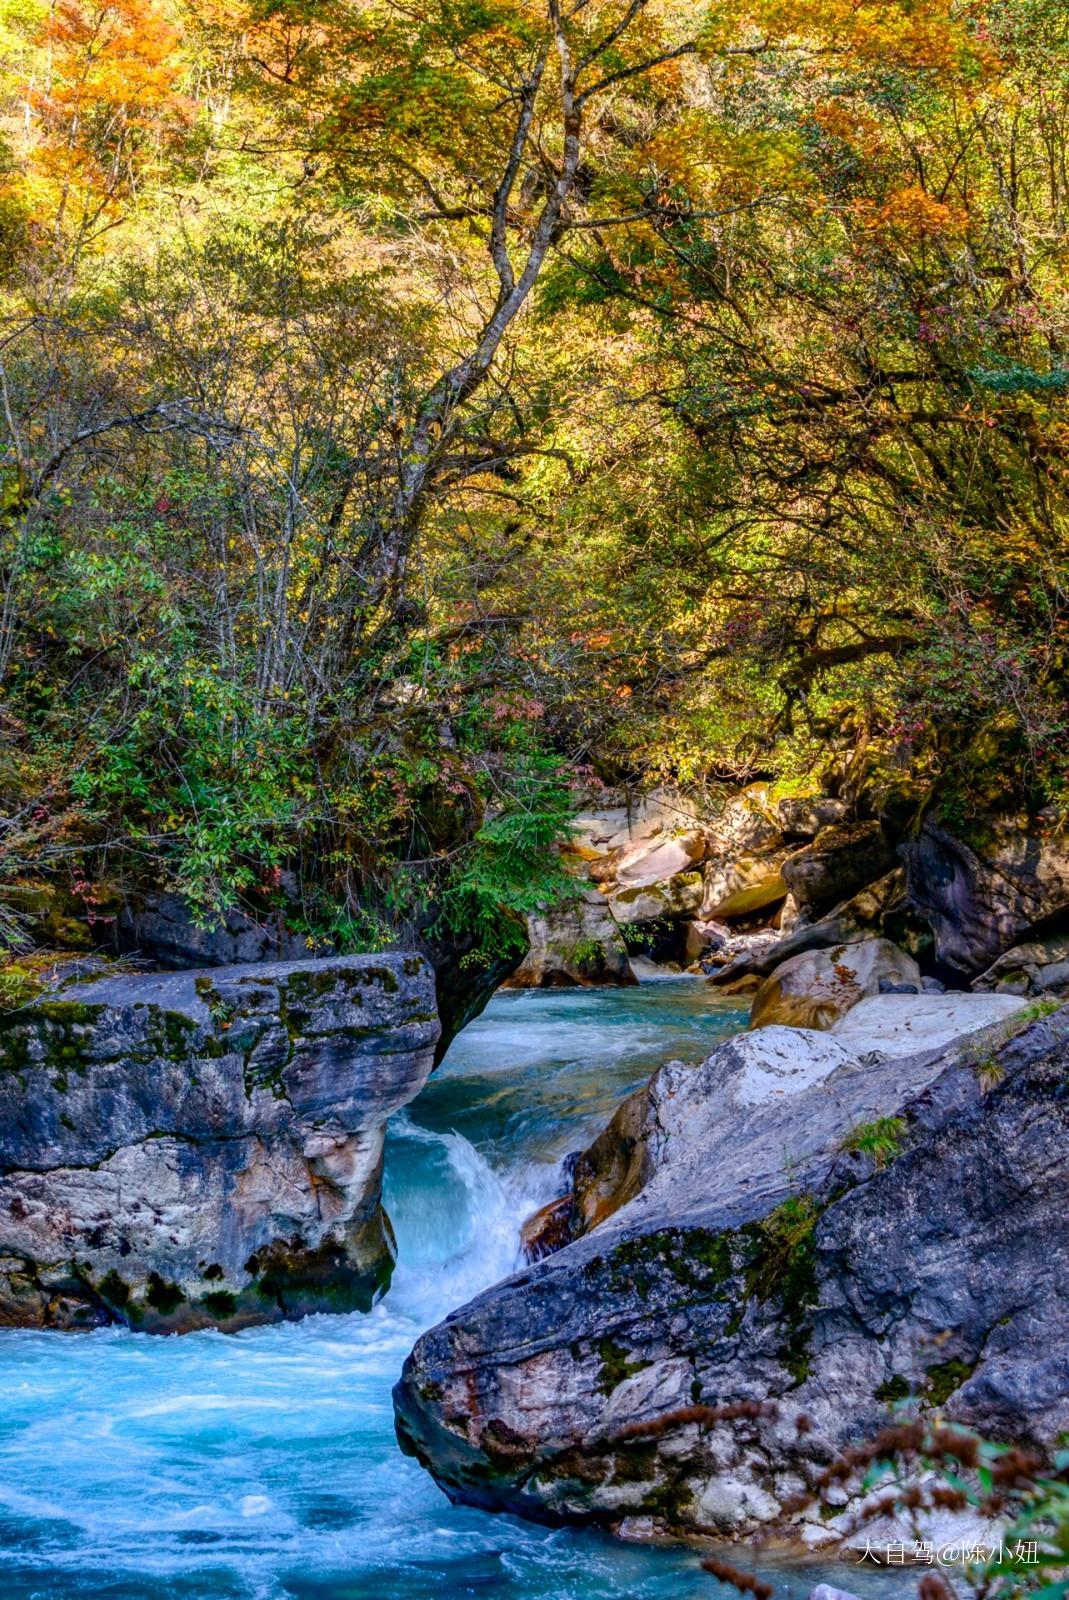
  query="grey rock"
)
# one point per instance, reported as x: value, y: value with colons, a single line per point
x: 758, y: 1261
x: 1038, y: 968
x: 873, y: 912
x: 622, y: 820
x: 659, y: 859
x: 162, y: 927
x: 981, y: 898
x: 824, y: 1591
x: 840, y: 861
x: 746, y: 822
x: 573, y: 945
x: 932, y: 986
x: 803, y: 817
x: 742, y: 886
x: 204, y: 1148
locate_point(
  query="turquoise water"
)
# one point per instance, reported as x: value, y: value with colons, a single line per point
x: 264, y: 1466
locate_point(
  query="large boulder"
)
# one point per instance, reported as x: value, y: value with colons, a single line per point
x: 901, y: 1024
x: 746, y: 821
x: 671, y: 901
x: 816, y: 988
x: 621, y: 822
x: 742, y: 886
x: 658, y: 859
x: 812, y: 1238
x: 673, y: 1107
x: 840, y: 861
x: 196, y: 1149
x: 1038, y: 968
x: 162, y: 926
x: 574, y: 945
x: 877, y: 911
x: 803, y: 816
x: 165, y: 929
x: 982, y: 897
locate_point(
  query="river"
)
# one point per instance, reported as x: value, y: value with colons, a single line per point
x: 263, y: 1466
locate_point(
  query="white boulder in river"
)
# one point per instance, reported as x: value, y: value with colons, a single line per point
x: 788, y: 1230
x: 901, y: 1024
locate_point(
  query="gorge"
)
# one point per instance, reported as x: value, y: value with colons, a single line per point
x: 265, y: 1462
x: 534, y: 799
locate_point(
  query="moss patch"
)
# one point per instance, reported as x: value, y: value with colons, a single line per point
x: 163, y: 1296
x: 615, y: 1367
x: 696, y: 1258
x: 944, y: 1378
x: 113, y: 1289
x: 221, y: 1303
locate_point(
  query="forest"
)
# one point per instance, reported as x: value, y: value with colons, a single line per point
x: 414, y: 413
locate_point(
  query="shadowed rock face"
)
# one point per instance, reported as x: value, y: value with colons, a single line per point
x: 197, y: 1149
x: 163, y: 928
x: 765, y: 1258
x: 980, y: 901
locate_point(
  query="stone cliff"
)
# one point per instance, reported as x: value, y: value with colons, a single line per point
x: 195, y: 1149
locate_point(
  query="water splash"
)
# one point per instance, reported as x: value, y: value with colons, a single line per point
x: 452, y: 1211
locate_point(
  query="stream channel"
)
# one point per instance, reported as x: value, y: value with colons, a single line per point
x: 263, y: 1466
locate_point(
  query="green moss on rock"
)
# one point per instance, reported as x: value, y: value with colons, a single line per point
x: 221, y: 1303
x: 163, y: 1296
x: 944, y: 1378
x: 615, y: 1367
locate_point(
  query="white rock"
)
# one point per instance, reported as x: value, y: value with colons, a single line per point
x: 784, y: 1061
x: 647, y: 971
x: 603, y: 829
x: 726, y: 1502
x: 903, y: 1024
x: 659, y: 859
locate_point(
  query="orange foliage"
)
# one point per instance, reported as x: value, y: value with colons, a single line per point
x: 912, y: 35
x: 108, y: 92
x: 120, y: 56
x: 851, y: 124
x: 911, y: 214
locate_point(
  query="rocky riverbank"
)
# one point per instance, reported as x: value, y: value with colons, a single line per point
x: 194, y: 1149
x: 737, y: 884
